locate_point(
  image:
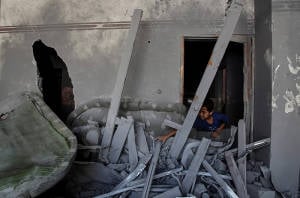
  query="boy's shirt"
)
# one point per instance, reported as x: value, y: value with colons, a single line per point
x: 218, y: 118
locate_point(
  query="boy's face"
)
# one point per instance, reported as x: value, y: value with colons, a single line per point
x: 204, y: 113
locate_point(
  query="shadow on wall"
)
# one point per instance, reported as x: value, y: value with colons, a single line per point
x: 18, y: 71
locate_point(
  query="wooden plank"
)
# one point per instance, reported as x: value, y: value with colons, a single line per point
x: 132, y: 152
x: 171, y: 124
x: 134, y: 174
x: 219, y: 180
x: 242, y: 149
x: 141, y: 138
x: 119, y: 139
x: 137, y: 183
x: 208, y: 77
x: 121, y: 76
x: 151, y: 170
x: 236, y: 176
x: 250, y: 147
x: 191, y: 174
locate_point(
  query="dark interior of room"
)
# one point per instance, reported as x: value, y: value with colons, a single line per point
x: 227, y: 88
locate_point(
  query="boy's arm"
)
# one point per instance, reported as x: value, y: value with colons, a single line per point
x: 225, y: 120
x: 218, y: 131
x: 164, y: 138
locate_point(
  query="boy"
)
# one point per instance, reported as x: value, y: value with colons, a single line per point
x: 207, y: 120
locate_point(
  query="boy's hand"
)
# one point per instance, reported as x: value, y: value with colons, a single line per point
x: 218, y: 131
x: 163, y: 138
x: 215, y: 134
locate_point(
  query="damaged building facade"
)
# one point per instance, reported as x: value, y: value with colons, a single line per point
x: 261, y: 71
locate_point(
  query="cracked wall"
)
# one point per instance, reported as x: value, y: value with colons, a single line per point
x: 93, y: 55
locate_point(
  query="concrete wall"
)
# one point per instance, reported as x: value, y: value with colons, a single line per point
x: 285, y: 161
x: 262, y: 76
x: 93, y: 55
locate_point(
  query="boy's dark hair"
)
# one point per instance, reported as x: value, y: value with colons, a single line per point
x: 209, y: 104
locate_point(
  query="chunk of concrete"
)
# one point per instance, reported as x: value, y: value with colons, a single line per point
x: 199, y: 190
x: 266, y: 194
x: 174, y: 192
x: 252, y: 177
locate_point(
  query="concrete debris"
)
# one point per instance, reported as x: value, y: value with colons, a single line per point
x: 260, y: 192
x: 252, y: 177
x: 174, y: 192
x: 220, y: 166
x: 164, y: 176
x: 191, y: 176
x: 133, y: 155
x: 88, y: 134
x: 138, y: 170
x: 151, y: 170
x: 129, y: 173
x: 119, y: 139
x: 236, y: 175
x: 200, y: 190
x: 266, y: 172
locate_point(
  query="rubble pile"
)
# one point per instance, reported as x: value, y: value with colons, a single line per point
x: 138, y: 165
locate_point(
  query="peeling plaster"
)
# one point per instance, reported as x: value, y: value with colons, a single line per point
x: 293, y: 69
x: 290, y: 101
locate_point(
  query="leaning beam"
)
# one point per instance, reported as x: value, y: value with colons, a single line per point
x: 121, y: 76
x: 236, y: 176
x: 191, y: 175
x: 208, y: 77
x: 242, y: 148
x: 230, y: 193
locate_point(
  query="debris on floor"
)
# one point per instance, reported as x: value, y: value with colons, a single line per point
x: 138, y: 165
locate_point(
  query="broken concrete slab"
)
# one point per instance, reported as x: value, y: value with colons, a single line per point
x: 236, y: 176
x: 141, y: 140
x: 132, y: 151
x: 219, y: 180
x: 151, y: 170
x: 266, y: 172
x: 220, y: 166
x: 266, y: 183
x: 256, y: 191
x: 119, y: 139
x: 199, y: 190
x: 191, y: 175
x: 266, y: 194
x: 252, y: 177
x: 134, y: 174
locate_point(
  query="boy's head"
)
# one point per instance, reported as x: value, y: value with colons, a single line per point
x: 206, y: 110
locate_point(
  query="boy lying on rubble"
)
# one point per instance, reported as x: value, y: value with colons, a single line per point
x: 207, y: 120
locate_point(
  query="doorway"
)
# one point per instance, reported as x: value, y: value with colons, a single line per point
x: 227, y: 89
